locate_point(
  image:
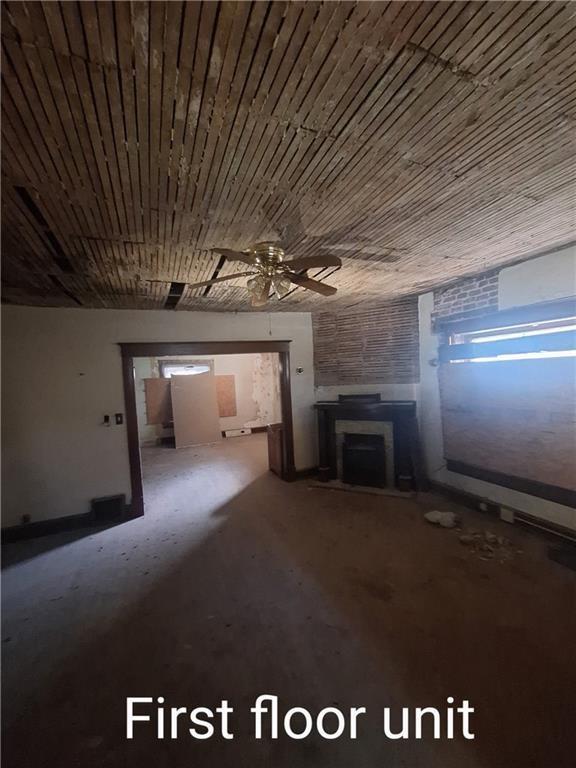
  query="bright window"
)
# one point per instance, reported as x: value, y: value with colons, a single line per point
x: 183, y: 369
x: 538, y: 339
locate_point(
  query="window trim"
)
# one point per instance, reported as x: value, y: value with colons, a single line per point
x: 549, y: 310
x: 562, y: 313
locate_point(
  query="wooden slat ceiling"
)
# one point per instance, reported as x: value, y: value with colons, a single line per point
x: 421, y: 142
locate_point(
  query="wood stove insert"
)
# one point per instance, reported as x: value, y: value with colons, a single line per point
x: 364, y: 460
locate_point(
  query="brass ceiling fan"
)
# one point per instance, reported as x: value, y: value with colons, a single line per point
x: 270, y: 271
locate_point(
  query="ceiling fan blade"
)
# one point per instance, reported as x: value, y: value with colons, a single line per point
x: 261, y: 298
x: 247, y: 258
x: 310, y: 262
x: 313, y: 285
x: 219, y: 279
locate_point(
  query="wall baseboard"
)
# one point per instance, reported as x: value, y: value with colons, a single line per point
x: 553, y: 493
x: 472, y: 501
x: 58, y: 525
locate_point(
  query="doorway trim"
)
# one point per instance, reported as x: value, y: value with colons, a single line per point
x: 130, y: 350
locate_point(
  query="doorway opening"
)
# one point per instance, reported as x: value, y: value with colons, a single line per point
x: 203, y: 405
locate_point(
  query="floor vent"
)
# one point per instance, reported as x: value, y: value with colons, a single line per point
x: 108, y: 508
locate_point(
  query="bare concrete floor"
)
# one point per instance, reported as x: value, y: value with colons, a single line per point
x: 236, y: 584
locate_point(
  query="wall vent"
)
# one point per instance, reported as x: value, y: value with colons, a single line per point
x: 108, y: 508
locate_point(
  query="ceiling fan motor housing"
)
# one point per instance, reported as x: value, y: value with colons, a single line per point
x: 267, y: 253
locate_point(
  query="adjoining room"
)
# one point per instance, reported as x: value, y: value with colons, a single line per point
x: 216, y: 415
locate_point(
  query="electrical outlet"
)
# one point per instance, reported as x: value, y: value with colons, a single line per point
x: 119, y: 418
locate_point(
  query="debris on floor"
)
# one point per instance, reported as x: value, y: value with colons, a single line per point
x: 443, y: 519
x: 487, y: 545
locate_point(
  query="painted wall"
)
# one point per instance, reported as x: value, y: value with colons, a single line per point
x: 144, y: 368
x: 256, y: 382
x: 62, y: 372
x: 257, y: 388
x: 548, y: 277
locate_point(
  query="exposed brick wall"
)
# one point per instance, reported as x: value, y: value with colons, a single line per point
x: 468, y: 298
x: 375, y: 345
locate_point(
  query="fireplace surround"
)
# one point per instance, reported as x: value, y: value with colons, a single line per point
x: 394, y: 421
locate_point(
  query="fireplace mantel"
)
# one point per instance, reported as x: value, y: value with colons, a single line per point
x: 401, y: 413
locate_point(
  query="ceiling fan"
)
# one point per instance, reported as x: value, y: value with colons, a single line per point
x: 269, y: 271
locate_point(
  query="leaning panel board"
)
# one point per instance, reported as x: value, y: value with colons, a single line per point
x: 195, y: 410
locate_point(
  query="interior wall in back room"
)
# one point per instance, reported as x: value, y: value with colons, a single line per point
x: 144, y: 369
x: 257, y: 389
x: 62, y: 371
x: 368, y: 350
x: 257, y: 382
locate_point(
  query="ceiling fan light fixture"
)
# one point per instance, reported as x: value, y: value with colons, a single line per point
x: 258, y: 287
x: 256, y: 284
x: 281, y: 285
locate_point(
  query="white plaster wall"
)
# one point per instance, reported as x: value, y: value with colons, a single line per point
x: 550, y: 280
x: 548, y: 277
x: 62, y: 372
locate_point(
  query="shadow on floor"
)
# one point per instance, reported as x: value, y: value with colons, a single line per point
x: 325, y: 599
x: 15, y: 552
